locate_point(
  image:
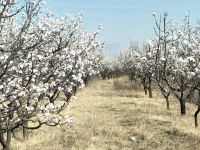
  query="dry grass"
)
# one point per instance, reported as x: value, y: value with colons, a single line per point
x: 112, y: 115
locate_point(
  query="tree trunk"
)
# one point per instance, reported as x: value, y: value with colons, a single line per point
x: 25, y: 131
x: 144, y: 85
x: 8, y: 140
x: 2, y: 141
x: 86, y: 80
x: 145, y: 90
x: 167, y: 102
x: 182, y: 106
x: 181, y: 99
x: 195, y: 117
x: 5, y: 143
x: 150, y: 89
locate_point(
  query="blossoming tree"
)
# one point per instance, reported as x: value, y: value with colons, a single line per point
x: 42, y: 57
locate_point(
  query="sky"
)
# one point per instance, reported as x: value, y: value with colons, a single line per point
x: 124, y: 20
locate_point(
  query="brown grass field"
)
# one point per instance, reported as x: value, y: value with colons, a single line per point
x: 114, y: 115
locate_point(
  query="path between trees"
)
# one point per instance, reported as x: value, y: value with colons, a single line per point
x: 112, y: 114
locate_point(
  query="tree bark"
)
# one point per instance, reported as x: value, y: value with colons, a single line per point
x: 144, y: 85
x: 86, y: 80
x: 5, y: 143
x: 24, y: 130
x: 195, y: 117
x: 167, y: 101
x: 150, y: 88
x: 145, y: 90
x: 182, y: 106
x: 8, y: 140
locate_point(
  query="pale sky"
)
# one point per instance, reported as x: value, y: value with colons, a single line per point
x: 124, y: 19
